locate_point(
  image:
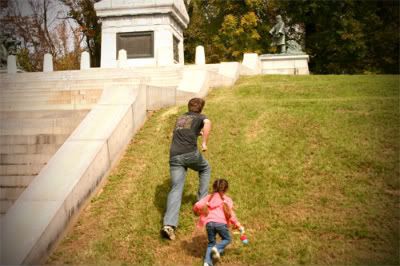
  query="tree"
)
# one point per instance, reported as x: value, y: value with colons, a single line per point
x: 40, y: 32
x: 32, y: 30
x: 69, y: 51
x: 226, y: 29
x: 348, y: 36
x: 83, y: 12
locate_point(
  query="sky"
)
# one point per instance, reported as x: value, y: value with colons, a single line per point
x: 57, y: 11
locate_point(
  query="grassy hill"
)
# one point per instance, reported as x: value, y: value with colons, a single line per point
x: 313, y: 166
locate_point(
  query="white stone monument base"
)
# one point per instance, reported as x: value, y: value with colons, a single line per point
x: 284, y: 64
x: 251, y: 64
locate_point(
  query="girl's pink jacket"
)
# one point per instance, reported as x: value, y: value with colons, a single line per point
x: 215, y: 210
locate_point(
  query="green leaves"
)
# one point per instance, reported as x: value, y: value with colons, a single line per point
x: 345, y: 36
x: 226, y: 29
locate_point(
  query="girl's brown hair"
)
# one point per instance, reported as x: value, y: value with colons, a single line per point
x: 220, y: 186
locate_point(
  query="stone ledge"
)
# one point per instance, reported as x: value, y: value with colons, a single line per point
x: 284, y: 64
x: 41, y: 213
x: 284, y: 57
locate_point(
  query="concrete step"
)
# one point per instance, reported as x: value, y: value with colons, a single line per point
x: 29, y: 148
x: 163, y: 82
x: 92, y: 85
x: 22, y: 159
x: 56, y: 84
x: 16, y: 181
x: 52, y: 86
x: 43, y: 114
x: 89, y: 81
x: 92, y: 73
x: 10, y: 193
x: 5, y: 205
x: 12, y: 123
x: 20, y: 169
x: 47, y: 130
x: 65, y: 99
x: 25, y: 104
x: 45, y: 106
x: 33, y: 139
x: 45, y: 94
x: 86, y: 80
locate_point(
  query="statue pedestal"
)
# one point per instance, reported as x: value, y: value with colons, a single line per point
x: 284, y: 64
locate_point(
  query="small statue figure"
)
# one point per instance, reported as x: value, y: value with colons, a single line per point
x: 11, y: 44
x: 8, y: 46
x: 278, y: 34
x: 3, y: 53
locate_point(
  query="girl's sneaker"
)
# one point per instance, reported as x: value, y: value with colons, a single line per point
x: 215, y: 254
x: 168, y: 232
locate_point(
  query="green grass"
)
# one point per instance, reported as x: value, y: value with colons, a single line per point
x: 313, y: 166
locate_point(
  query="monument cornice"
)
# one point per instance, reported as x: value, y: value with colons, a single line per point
x: 107, y: 9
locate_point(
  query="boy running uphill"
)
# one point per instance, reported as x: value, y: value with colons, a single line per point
x: 184, y: 154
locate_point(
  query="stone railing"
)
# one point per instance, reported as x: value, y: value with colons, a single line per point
x: 35, y: 221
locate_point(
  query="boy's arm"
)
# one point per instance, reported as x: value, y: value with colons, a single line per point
x: 206, y: 133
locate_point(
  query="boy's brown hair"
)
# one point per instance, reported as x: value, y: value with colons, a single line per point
x: 196, y: 105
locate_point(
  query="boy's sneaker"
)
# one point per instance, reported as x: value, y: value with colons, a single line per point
x: 206, y: 264
x: 168, y: 232
x: 215, y: 254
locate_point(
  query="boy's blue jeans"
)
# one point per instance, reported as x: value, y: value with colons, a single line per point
x: 178, y: 168
x: 212, y: 230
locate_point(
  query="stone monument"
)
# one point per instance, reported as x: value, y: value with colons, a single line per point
x: 151, y: 32
x: 290, y: 59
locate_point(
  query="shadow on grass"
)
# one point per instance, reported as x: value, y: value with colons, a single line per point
x: 195, y: 246
x: 160, y: 198
x: 161, y: 195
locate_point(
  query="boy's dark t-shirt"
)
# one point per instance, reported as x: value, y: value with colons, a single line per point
x: 187, y: 129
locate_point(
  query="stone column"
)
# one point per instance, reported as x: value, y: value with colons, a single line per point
x: 252, y: 62
x: 200, y: 56
x: 108, y: 48
x: 181, y: 53
x: 85, y: 60
x: 164, y: 47
x: 11, y: 64
x: 122, y: 58
x: 48, y: 63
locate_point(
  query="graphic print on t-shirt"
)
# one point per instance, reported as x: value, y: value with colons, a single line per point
x: 187, y: 129
x: 184, y: 121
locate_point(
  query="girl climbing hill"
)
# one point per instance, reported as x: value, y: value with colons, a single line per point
x: 216, y: 214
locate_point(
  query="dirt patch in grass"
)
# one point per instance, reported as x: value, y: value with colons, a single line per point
x: 187, y: 249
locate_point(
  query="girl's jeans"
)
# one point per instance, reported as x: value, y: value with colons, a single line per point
x: 178, y: 167
x: 212, y: 230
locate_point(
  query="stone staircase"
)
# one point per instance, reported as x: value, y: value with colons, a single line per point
x: 28, y: 139
x: 39, y: 111
x: 35, y: 120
